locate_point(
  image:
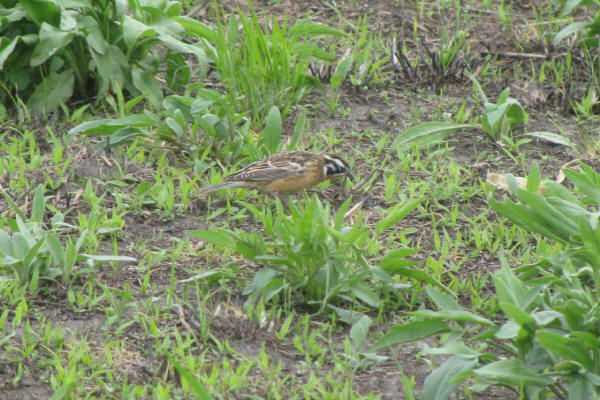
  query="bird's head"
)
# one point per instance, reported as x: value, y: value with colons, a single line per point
x: 336, y: 166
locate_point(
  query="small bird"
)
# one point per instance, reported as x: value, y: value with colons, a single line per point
x: 285, y: 172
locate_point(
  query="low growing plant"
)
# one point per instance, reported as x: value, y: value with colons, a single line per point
x: 31, y: 252
x: 311, y: 257
x: 546, y: 343
x: 52, y: 50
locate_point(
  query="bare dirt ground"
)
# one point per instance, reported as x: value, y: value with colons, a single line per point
x: 387, y: 107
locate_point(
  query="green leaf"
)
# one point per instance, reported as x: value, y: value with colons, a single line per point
x: 442, y: 300
x: 566, y: 348
x: 7, y: 46
x: 553, y: 138
x: 39, y: 205
x: 261, y: 279
x: 55, y: 248
x: 395, y: 215
x: 272, y: 288
x: 521, y: 317
x: 219, y: 238
x: 271, y: 135
x: 33, y: 253
x: 51, y: 40
x: 360, y: 330
x: 534, y: 178
x: 197, y: 28
x: 134, y: 29
x: 13, y: 205
x: 93, y: 34
x: 106, y: 126
x: 512, y: 372
x: 426, y: 133
x: 440, y: 384
x: 569, y: 30
x: 42, y: 11
x: 341, y: 71
x: 56, y: 89
x: 414, y: 274
x: 145, y: 81
x: 199, y: 390
x: 364, y: 293
x: 108, y: 258
x: 410, y: 332
x: 122, y: 136
x: 397, y: 257
x: 454, y: 315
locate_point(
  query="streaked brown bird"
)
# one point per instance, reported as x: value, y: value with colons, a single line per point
x: 285, y: 172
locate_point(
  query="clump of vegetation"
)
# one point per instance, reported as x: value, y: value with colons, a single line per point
x: 55, y: 51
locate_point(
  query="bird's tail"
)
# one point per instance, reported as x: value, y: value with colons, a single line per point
x: 219, y: 186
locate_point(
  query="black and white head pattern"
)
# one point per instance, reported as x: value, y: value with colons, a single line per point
x: 335, y: 166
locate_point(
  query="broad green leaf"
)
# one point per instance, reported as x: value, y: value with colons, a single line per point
x: 523, y: 216
x: 197, y: 28
x: 6, y: 246
x: 454, y: 315
x: 39, y: 205
x: 261, y: 279
x: 442, y: 300
x: 566, y: 348
x: 590, y: 185
x: 521, y: 317
x: 569, y: 5
x: 145, y: 81
x: 110, y: 66
x: 360, y: 330
x: 49, y: 94
x: 42, y: 11
x: 7, y: 46
x: 410, y: 332
x: 534, y: 178
x: 569, y: 30
x: 93, y: 34
x: 553, y: 138
x: 454, y: 349
x: 511, y: 289
x: 219, y: 238
x: 272, y: 288
x: 364, y: 293
x: 586, y: 339
x: 426, y: 133
x: 134, y: 29
x: 33, y: 253
x: 512, y: 372
x: 122, y: 136
x: 395, y: 215
x: 55, y: 248
x: 271, y: 135
x: 105, y: 126
x: 51, y: 40
x: 396, y: 258
x: 440, y: 384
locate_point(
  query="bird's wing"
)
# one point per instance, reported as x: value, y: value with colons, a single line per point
x: 266, y: 170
